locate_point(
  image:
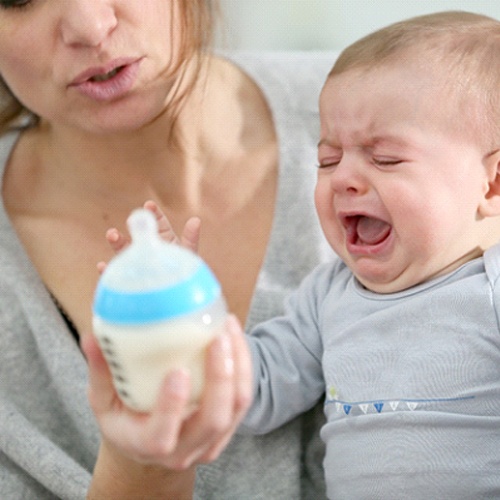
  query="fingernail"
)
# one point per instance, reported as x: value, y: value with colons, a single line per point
x: 223, y: 346
x: 233, y: 325
x: 178, y: 382
x: 113, y: 235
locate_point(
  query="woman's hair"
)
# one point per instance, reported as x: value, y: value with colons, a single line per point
x: 464, y: 48
x: 197, y: 23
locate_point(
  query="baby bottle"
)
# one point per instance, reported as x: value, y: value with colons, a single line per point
x: 157, y: 306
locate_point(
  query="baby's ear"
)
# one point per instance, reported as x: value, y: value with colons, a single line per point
x: 490, y: 204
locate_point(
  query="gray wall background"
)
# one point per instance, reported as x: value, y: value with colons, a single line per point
x: 322, y: 24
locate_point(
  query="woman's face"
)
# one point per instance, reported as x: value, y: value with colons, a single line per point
x: 99, y: 65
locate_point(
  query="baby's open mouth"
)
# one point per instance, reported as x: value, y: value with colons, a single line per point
x: 363, y: 230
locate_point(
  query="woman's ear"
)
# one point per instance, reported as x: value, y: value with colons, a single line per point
x: 490, y: 204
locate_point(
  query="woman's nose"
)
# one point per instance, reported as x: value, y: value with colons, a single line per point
x: 87, y: 22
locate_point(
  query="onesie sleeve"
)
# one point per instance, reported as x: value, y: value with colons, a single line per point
x: 286, y: 353
x: 492, y: 269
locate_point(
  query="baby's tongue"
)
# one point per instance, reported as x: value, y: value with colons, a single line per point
x: 372, y: 231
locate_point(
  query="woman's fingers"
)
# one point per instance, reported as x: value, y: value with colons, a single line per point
x: 175, y: 435
x: 224, y: 402
x: 243, y: 367
x: 243, y: 386
x: 167, y: 419
x: 147, y: 438
x: 161, y: 436
x: 101, y: 391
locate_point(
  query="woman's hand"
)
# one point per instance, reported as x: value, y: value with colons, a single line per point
x: 174, y: 435
x: 153, y: 455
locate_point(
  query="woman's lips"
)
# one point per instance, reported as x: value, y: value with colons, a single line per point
x: 109, y: 82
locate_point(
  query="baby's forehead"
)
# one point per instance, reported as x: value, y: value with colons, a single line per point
x: 407, y: 79
x: 411, y: 77
x: 398, y: 95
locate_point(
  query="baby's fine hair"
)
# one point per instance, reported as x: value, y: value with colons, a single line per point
x: 463, y: 46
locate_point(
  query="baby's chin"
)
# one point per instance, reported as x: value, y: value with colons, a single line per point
x: 413, y: 275
x: 388, y: 279
x: 389, y: 287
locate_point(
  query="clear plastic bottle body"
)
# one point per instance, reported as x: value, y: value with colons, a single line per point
x: 156, y: 308
x: 140, y: 356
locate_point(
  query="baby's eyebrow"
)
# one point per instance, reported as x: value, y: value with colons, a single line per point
x: 375, y: 140
x: 390, y: 140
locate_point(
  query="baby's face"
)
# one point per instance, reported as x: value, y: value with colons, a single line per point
x: 399, y: 188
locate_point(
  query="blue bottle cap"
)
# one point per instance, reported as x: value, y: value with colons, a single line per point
x: 196, y: 292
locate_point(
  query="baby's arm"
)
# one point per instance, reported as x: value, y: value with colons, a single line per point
x: 286, y: 354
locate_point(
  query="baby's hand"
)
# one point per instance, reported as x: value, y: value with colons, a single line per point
x: 189, y: 238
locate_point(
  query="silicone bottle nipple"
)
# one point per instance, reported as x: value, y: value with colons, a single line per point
x: 143, y: 227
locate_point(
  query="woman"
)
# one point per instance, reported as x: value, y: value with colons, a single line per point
x: 117, y: 102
